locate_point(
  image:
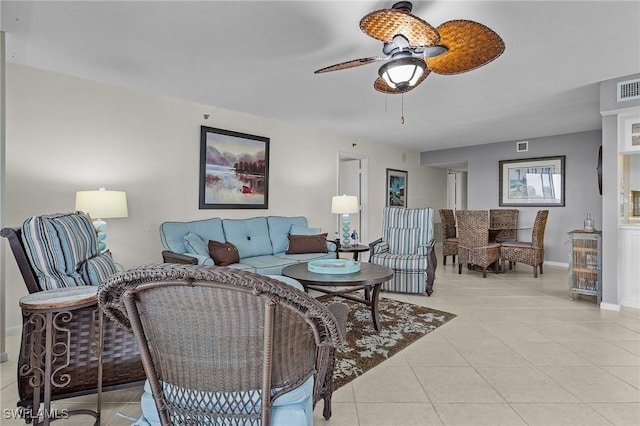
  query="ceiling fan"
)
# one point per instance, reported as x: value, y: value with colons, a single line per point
x: 414, y: 48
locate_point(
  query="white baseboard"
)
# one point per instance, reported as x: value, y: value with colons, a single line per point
x: 559, y: 264
x: 630, y: 303
x: 610, y: 307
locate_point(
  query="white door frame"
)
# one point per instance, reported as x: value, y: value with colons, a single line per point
x: 363, y: 196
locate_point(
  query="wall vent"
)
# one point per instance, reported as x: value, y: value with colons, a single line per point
x: 628, y: 90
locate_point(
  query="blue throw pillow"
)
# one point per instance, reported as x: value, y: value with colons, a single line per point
x: 303, y: 230
x: 195, y: 245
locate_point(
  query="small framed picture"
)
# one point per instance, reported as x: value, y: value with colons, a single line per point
x: 397, y: 188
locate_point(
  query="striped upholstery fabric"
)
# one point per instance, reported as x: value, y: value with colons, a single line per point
x: 63, y: 251
x: 407, y: 248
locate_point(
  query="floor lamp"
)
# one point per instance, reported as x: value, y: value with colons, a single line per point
x: 345, y: 205
x: 99, y: 205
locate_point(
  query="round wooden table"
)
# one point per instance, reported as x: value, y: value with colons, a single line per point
x: 370, y: 278
x: 355, y: 249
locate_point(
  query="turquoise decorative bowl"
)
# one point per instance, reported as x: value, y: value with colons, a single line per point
x: 333, y: 266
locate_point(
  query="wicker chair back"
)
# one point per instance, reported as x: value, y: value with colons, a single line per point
x: 506, y: 220
x: 219, y: 345
x: 473, y: 240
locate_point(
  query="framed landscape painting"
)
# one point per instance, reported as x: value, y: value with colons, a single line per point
x: 234, y: 170
x: 532, y: 182
x: 397, y: 188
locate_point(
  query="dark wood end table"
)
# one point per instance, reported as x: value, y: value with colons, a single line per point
x: 355, y: 249
x: 370, y: 278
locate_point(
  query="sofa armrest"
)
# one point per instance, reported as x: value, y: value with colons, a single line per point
x: 173, y: 257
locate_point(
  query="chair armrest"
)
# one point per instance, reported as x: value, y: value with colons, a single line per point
x: 378, y: 246
x: 332, y: 246
x: 173, y: 257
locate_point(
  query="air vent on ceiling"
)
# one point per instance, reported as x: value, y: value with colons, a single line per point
x: 628, y: 90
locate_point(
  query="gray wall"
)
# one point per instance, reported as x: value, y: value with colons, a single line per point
x: 581, y: 186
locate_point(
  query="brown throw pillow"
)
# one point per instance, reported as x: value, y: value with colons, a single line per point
x: 223, y: 254
x: 299, y: 244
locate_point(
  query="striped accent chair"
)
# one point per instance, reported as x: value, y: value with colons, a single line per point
x: 407, y: 247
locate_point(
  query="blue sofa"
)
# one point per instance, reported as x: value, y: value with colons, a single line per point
x: 262, y: 242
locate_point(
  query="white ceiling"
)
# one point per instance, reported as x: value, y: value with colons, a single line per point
x: 259, y: 58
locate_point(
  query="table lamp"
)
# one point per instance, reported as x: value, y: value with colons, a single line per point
x: 344, y: 205
x: 99, y: 205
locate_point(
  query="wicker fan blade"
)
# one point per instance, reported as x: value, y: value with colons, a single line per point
x: 471, y: 45
x: 350, y: 64
x: 386, y: 23
x: 381, y: 86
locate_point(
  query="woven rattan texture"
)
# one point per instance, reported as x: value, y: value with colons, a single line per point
x: 121, y: 360
x: 231, y: 320
x: 349, y: 64
x: 529, y: 253
x: 507, y: 221
x: 386, y: 23
x: 471, y: 45
x: 473, y: 240
x: 449, y: 238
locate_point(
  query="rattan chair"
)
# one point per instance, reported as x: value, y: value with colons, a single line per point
x: 449, y: 238
x: 529, y: 253
x: 121, y: 363
x: 503, y: 224
x: 474, y: 247
x: 222, y: 346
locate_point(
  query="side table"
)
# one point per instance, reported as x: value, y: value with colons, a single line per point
x: 355, y: 249
x: 47, y: 325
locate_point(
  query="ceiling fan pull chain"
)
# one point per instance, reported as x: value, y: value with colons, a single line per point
x: 402, y: 113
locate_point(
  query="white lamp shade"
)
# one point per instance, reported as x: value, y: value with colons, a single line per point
x: 344, y: 204
x: 102, y: 204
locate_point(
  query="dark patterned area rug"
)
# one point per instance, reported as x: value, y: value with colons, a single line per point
x: 402, y: 324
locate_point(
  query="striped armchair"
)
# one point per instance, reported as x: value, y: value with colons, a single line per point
x: 407, y: 247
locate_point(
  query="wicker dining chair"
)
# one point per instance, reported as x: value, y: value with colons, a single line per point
x: 530, y: 253
x: 224, y: 346
x: 474, y: 247
x: 504, y: 222
x: 449, y: 237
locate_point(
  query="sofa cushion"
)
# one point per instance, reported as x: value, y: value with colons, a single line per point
x: 268, y: 264
x: 195, y: 245
x: 250, y: 236
x: 57, y: 246
x: 280, y: 228
x: 303, y: 230
x: 223, y: 254
x: 299, y: 244
x: 172, y: 233
x: 305, y: 257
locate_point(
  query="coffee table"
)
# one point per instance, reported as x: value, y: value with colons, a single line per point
x: 370, y: 278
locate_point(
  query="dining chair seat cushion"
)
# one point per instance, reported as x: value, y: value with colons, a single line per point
x: 516, y: 244
x: 294, y: 408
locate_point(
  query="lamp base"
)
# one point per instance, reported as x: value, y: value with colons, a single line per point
x: 101, y: 226
x: 345, y: 230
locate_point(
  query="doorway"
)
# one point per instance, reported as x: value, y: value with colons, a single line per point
x: 353, y: 180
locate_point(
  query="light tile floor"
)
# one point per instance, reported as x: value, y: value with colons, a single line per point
x: 519, y: 352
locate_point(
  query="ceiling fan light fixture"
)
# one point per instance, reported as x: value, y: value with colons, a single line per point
x: 402, y: 73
